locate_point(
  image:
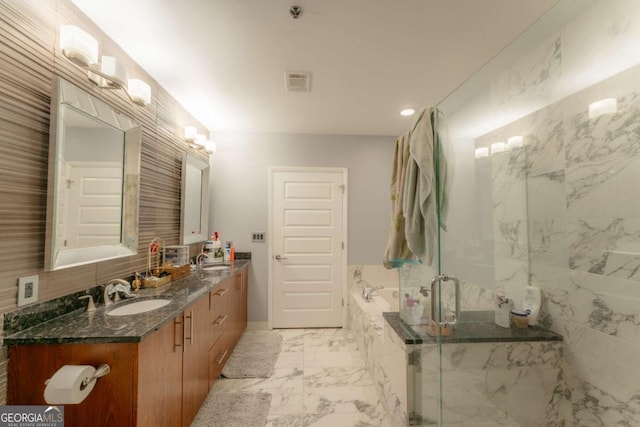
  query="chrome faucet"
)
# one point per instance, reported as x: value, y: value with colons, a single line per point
x: 200, y: 259
x: 367, y: 294
x: 115, y: 286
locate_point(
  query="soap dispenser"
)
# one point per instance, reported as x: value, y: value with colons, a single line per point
x: 531, y: 303
x: 503, y: 306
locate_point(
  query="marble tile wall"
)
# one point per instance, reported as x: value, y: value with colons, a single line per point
x: 384, y: 355
x: 493, y: 384
x: 584, y: 229
x: 582, y: 221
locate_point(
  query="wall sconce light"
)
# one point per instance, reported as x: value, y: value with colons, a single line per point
x: 482, y: 152
x: 604, y: 106
x: 498, y: 147
x: 515, y: 142
x: 82, y: 50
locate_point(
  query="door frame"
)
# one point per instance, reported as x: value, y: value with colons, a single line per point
x: 270, y: 253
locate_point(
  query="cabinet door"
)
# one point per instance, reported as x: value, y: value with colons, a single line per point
x: 109, y: 403
x: 159, y: 400
x: 237, y: 308
x: 243, y: 300
x: 195, y: 359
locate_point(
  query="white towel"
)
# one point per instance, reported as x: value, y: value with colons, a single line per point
x: 420, y: 206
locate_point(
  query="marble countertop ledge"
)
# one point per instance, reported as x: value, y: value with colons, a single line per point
x: 82, y: 327
x: 469, y: 332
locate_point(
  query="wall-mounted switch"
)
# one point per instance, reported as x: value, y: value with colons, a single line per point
x: 27, y: 290
x: 257, y: 236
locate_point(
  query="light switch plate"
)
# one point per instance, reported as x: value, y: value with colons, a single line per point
x: 27, y: 290
x: 257, y: 236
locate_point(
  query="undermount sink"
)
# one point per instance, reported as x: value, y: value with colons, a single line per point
x: 138, y: 307
x: 216, y: 268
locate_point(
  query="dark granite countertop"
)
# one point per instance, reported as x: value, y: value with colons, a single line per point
x: 468, y: 332
x: 83, y: 327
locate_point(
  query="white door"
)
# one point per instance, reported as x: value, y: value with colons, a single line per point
x: 308, y: 249
x: 95, y: 190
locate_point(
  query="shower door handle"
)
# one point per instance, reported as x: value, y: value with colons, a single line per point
x: 444, y: 278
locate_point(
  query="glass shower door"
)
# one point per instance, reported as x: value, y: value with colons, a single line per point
x: 501, y: 139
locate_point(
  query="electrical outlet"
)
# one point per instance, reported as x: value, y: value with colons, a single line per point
x: 257, y: 236
x: 27, y: 290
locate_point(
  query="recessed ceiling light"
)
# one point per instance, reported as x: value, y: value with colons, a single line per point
x: 407, y: 112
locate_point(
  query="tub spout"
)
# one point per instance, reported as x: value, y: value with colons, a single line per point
x: 367, y: 294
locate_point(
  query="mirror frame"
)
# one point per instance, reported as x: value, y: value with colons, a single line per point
x: 187, y: 237
x: 65, y: 93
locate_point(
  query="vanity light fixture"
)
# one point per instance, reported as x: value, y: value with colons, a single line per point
x: 139, y: 92
x: 190, y: 133
x: 197, y: 140
x: 604, y: 106
x: 514, y: 142
x: 78, y: 46
x: 82, y: 49
x: 498, y: 147
x: 407, y: 112
x: 482, y: 152
x: 210, y: 147
x: 201, y: 140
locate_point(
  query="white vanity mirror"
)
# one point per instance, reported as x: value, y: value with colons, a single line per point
x: 94, y: 178
x: 195, y: 200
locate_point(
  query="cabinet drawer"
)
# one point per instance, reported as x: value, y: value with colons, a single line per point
x: 219, y: 327
x: 218, y: 301
x: 219, y: 312
x: 218, y: 355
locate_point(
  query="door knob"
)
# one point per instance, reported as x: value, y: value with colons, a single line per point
x: 278, y: 257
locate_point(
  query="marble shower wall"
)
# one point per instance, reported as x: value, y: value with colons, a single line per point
x: 582, y: 225
x: 584, y: 229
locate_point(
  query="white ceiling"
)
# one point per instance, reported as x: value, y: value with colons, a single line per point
x: 225, y: 60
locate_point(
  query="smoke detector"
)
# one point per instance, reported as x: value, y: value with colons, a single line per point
x: 298, y: 81
x: 295, y: 11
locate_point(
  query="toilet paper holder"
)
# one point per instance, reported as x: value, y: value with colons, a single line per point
x: 101, y: 371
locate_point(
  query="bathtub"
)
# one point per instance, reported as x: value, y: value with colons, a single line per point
x: 387, y: 299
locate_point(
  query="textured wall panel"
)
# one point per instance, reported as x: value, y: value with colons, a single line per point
x: 29, y: 61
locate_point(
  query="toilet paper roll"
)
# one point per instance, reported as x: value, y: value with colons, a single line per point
x: 64, y: 387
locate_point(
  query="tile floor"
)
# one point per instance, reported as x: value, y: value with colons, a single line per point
x: 319, y: 380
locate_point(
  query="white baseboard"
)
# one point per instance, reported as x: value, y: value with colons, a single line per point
x: 257, y: 326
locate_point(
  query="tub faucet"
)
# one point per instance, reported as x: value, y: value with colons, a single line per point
x: 367, y: 294
x: 115, y: 286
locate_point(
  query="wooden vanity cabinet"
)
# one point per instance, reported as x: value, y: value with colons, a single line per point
x: 160, y: 381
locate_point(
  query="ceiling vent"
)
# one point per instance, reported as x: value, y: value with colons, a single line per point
x: 298, y: 81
